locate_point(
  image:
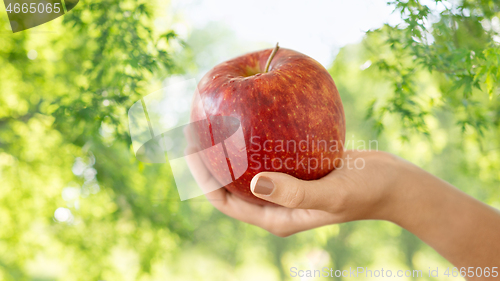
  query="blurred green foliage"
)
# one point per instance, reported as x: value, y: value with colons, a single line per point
x: 429, y: 89
x: 459, y: 42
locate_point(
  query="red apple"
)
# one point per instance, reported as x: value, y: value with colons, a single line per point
x: 291, y: 115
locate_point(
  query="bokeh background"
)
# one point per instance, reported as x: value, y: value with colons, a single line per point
x: 420, y: 77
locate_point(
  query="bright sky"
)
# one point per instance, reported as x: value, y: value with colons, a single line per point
x: 317, y: 28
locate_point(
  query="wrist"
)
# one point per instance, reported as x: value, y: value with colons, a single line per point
x: 417, y: 197
x: 388, y: 184
x: 403, y: 196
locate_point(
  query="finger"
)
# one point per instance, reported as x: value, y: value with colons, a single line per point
x: 200, y: 173
x: 276, y: 219
x: 202, y: 176
x: 225, y: 201
x: 291, y: 192
x: 187, y: 132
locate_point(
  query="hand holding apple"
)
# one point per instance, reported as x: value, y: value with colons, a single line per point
x: 459, y: 227
x: 290, y: 112
x: 341, y: 196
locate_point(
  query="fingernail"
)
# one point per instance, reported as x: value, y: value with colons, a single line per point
x: 263, y: 186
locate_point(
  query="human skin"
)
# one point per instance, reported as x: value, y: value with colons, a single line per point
x: 462, y: 229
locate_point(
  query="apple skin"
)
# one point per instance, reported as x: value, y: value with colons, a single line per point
x: 295, y: 100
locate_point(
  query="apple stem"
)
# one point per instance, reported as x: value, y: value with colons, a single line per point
x: 271, y: 57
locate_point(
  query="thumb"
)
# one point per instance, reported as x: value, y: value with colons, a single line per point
x: 288, y: 191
